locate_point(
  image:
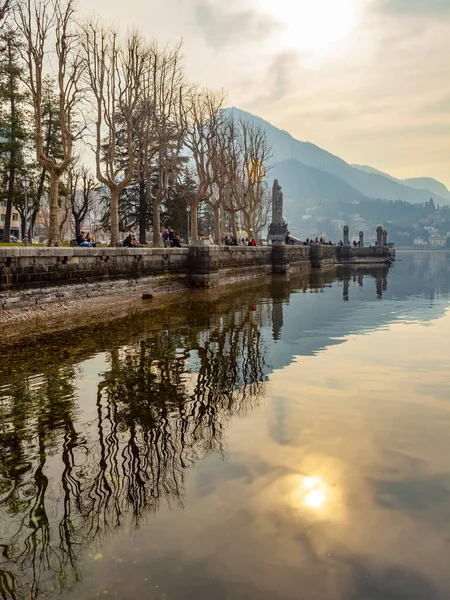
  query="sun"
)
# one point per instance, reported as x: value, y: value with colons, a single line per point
x: 311, y: 24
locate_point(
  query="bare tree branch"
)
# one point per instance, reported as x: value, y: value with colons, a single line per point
x: 50, y: 26
x: 114, y: 76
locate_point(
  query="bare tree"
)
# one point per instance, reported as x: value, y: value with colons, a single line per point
x: 261, y: 218
x: 114, y: 75
x: 251, y: 172
x: 45, y: 24
x: 4, y: 8
x: 224, y: 166
x: 166, y: 93
x: 204, y: 120
x: 81, y: 188
x: 232, y: 200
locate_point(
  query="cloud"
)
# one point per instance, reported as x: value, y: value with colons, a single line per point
x: 279, y: 79
x: 222, y: 28
x: 415, y: 7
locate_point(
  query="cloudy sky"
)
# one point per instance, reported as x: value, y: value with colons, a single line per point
x: 368, y: 80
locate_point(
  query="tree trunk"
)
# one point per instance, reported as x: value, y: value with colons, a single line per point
x: 217, y: 228
x: 77, y: 223
x: 194, y: 222
x: 12, y: 154
x: 53, y: 233
x: 142, y: 212
x: 156, y: 221
x: 33, y: 222
x: 248, y: 216
x: 114, y: 218
x: 233, y: 224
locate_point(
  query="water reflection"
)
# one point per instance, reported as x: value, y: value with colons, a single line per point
x: 162, y: 404
x: 102, y: 428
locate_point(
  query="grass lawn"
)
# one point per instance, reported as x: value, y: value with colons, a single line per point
x: 18, y: 244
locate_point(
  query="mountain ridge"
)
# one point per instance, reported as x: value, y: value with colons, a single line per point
x: 370, y: 182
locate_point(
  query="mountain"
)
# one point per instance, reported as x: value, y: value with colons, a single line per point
x: 368, y: 169
x: 429, y: 183
x: 419, y: 183
x: 314, y: 183
x: 369, y: 182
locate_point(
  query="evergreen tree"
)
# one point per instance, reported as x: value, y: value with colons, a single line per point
x: 174, y: 210
x: 12, y: 129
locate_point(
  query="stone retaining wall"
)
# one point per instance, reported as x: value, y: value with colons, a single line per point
x: 31, y: 268
x: 42, y: 275
x: 298, y: 257
x: 237, y: 259
x: 374, y: 254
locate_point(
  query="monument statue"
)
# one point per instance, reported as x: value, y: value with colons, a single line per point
x: 278, y: 229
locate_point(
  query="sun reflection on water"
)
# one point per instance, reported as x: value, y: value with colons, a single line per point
x: 310, y: 492
x: 315, y: 499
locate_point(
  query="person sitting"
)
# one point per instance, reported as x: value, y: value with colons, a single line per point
x: 130, y: 241
x: 252, y: 242
x: 90, y: 239
x: 81, y: 240
x: 176, y: 242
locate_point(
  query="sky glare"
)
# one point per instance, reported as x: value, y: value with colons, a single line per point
x: 368, y: 80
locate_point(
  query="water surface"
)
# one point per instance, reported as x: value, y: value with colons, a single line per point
x: 288, y: 439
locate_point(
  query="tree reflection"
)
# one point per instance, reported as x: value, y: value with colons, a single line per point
x: 163, y: 404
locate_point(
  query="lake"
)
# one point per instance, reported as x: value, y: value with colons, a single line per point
x: 285, y: 439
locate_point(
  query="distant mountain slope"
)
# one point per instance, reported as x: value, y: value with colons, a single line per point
x: 368, y: 169
x: 428, y: 183
x: 297, y: 178
x: 425, y: 184
x: 314, y: 183
x: 372, y: 184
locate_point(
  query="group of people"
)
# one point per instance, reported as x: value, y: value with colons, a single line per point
x: 231, y: 240
x: 321, y: 241
x: 170, y: 239
x: 86, y: 240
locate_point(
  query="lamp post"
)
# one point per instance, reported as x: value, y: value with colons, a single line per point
x: 26, y: 185
x: 188, y: 208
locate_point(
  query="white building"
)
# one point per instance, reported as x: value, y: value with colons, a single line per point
x: 438, y: 241
x: 15, y: 220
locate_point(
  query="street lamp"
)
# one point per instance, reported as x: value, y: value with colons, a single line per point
x: 26, y: 185
x: 188, y: 208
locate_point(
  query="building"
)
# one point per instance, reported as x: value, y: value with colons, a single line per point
x: 438, y: 241
x: 15, y: 220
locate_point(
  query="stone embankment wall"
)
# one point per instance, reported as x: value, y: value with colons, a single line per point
x: 28, y: 268
x: 37, y: 275
x: 367, y: 255
x: 234, y: 259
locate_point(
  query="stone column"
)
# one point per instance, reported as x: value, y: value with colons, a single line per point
x: 384, y: 237
x: 280, y: 260
x: 379, y: 236
x: 361, y: 239
x: 379, y: 285
x: 203, y: 264
x: 346, y: 236
x: 346, y: 285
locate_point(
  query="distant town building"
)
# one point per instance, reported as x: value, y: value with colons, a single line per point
x: 438, y: 241
x: 15, y: 221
